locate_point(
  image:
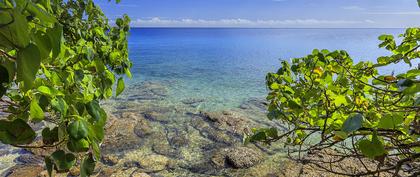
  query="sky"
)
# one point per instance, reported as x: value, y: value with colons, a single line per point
x: 267, y: 13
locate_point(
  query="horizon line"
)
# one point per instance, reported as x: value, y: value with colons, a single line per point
x: 160, y: 27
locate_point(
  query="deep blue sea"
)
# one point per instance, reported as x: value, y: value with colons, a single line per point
x: 227, y: 66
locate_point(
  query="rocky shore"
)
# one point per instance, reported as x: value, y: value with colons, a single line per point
x: 147, y: 138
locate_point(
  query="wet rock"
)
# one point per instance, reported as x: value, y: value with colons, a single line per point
x: 194, y: 102
x: 110, y: 160
x: 153, y: 163
x: 140, y: 174
x: 179, y: 141
x: 142, y: 129
x: 219, y: 158
x: 217, y: 136
x: 149, y: 91
x: 24, y: 171
x: 255, y: 103
x: 243, y: 157
x: 29, y: 159
x: 156, y: 117
x: 163, y: 148
x: 229, y: 121
x: 120, y: 136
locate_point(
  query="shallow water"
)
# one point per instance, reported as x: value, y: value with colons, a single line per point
x: 227, y: 66
x: 178, y: 73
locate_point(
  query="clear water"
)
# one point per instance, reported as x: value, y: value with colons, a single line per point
x: 222, y: 69
x: 227, y: 66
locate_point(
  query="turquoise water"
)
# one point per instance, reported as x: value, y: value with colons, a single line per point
x: 227, y: 66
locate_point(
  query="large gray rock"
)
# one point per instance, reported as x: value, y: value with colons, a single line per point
x: 244, y: 157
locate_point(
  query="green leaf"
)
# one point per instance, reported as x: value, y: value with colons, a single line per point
x: 17, y: 31
x: 371, y: 148
x: 28, y: 63
x: 391, y: 121
x: 60, y: 105
x: 49, y: 165
x: 81, y: 145
x: 49, y: 136
x: 87, y: 166
x: 39, y: 13
x: 120, y: 86
x: 36, y: 112
x: 340, y: 100
x: 77, y: 129
x: 95, y: 110
x: 11, y: 69
x: 44, y: 45
x: 55, y: 35
x: 62, y: 160
x: 45, y: 90
x: 16, y: 132
x: 353, y: 123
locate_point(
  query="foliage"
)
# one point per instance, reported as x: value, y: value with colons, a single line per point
x: 329, y: 98
x: 57, y: 60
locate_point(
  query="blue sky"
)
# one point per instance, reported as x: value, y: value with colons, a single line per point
x: 267, y: 13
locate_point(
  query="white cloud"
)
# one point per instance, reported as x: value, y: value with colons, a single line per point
x: 160, y: 22
x: 353, y: 8
x: 394, y: 13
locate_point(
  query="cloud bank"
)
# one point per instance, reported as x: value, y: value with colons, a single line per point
x: 161, y: 22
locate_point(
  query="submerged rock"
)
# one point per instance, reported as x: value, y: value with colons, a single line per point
x: 163, y: 148
x: 156, y: 117
x: 237, y: 157
x: 230, y: 121
x: 194, y: 102
x: 149, y: 91
x: 142, y: 129
x: 24, y: 171
x: 244, y: 157
x: 259, y: 104
x: 153, y: 163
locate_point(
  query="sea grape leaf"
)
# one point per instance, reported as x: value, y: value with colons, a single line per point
x: 55, y: 35
x: 371, y: 148
x: 77, y: 129
x: 391, y: 121
x: 16, y: 132
x: 17, y: 31
x: 120, y: 86
x: 49, y: 136
x: 60, y: 105
x: 28, y: 63
x: 62, y: 160
x: 87, y: 166
x: 81, y: 145
x: 353, y: 123
x: 49, y: 165
x: 36, y: 112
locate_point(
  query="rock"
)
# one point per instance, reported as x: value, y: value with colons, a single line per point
x: 153, y: 163
x: 163, y: 148
x: 156, y: 117
x: 243, y: 157
x: 194, y: 102
x: 149, y: 91
x: 139, y: 174
x: 179, y: 141
x: 24, y: 171
x: 255, y: 103
x: 110, y: 160
x: 219, y: 158
x: 74, y: 171
x: 120, y: 136
x: 142, y: 129
x: 29, y: 159
x: 230, y: 121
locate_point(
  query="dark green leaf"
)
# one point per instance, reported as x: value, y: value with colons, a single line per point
x: 87, y: 166
x: 371, y: 148
x: 353, y: 123
x: 81, y: 145
x: 16, y: 132
x: 62, y: 160
x: 28, y: 62
x: 77, y: 129
x: 17, y: 31
x: 49, y: 136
